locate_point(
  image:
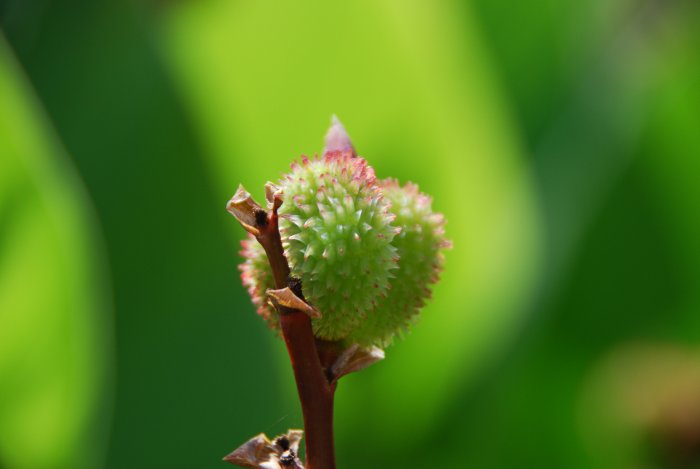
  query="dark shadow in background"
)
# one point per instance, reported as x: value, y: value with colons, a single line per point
x: 181, y: 318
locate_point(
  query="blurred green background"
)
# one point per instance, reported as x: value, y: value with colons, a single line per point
x: 560, y: 139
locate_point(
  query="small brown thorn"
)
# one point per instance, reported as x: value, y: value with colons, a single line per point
x: 287, y: 298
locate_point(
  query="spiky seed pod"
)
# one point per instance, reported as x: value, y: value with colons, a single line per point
x: 345, y: 234
x: 337, y: 234
x: 256, y: 275
x: 419, y: 247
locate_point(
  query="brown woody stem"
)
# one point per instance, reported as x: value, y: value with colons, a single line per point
x: 315, y: 390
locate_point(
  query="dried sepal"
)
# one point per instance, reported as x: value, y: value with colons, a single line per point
x: 287, y: 298
x: 355, y: 358
x: 247, y: 211
x: 261, y: 453
x: 273, y: 196
x: 252, y: 453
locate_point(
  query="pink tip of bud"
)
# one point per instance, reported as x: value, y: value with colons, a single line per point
x: 337, y: 138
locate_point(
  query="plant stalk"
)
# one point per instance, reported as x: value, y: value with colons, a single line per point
x: 315, y: 391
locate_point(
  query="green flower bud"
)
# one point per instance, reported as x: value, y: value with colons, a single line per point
x: 419, y: 246
x: 337, y: 235
x: 365, y: 251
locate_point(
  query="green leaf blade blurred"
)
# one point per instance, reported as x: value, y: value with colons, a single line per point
x: 418, y: 108
x: 559, y: 139
x: 53, y: 341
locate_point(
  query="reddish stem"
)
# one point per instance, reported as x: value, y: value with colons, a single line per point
x: 315, y: 391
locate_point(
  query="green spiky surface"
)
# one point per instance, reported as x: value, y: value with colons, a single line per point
x: 337, y: 232
x: 365, y: 250
x: 419, y: 247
